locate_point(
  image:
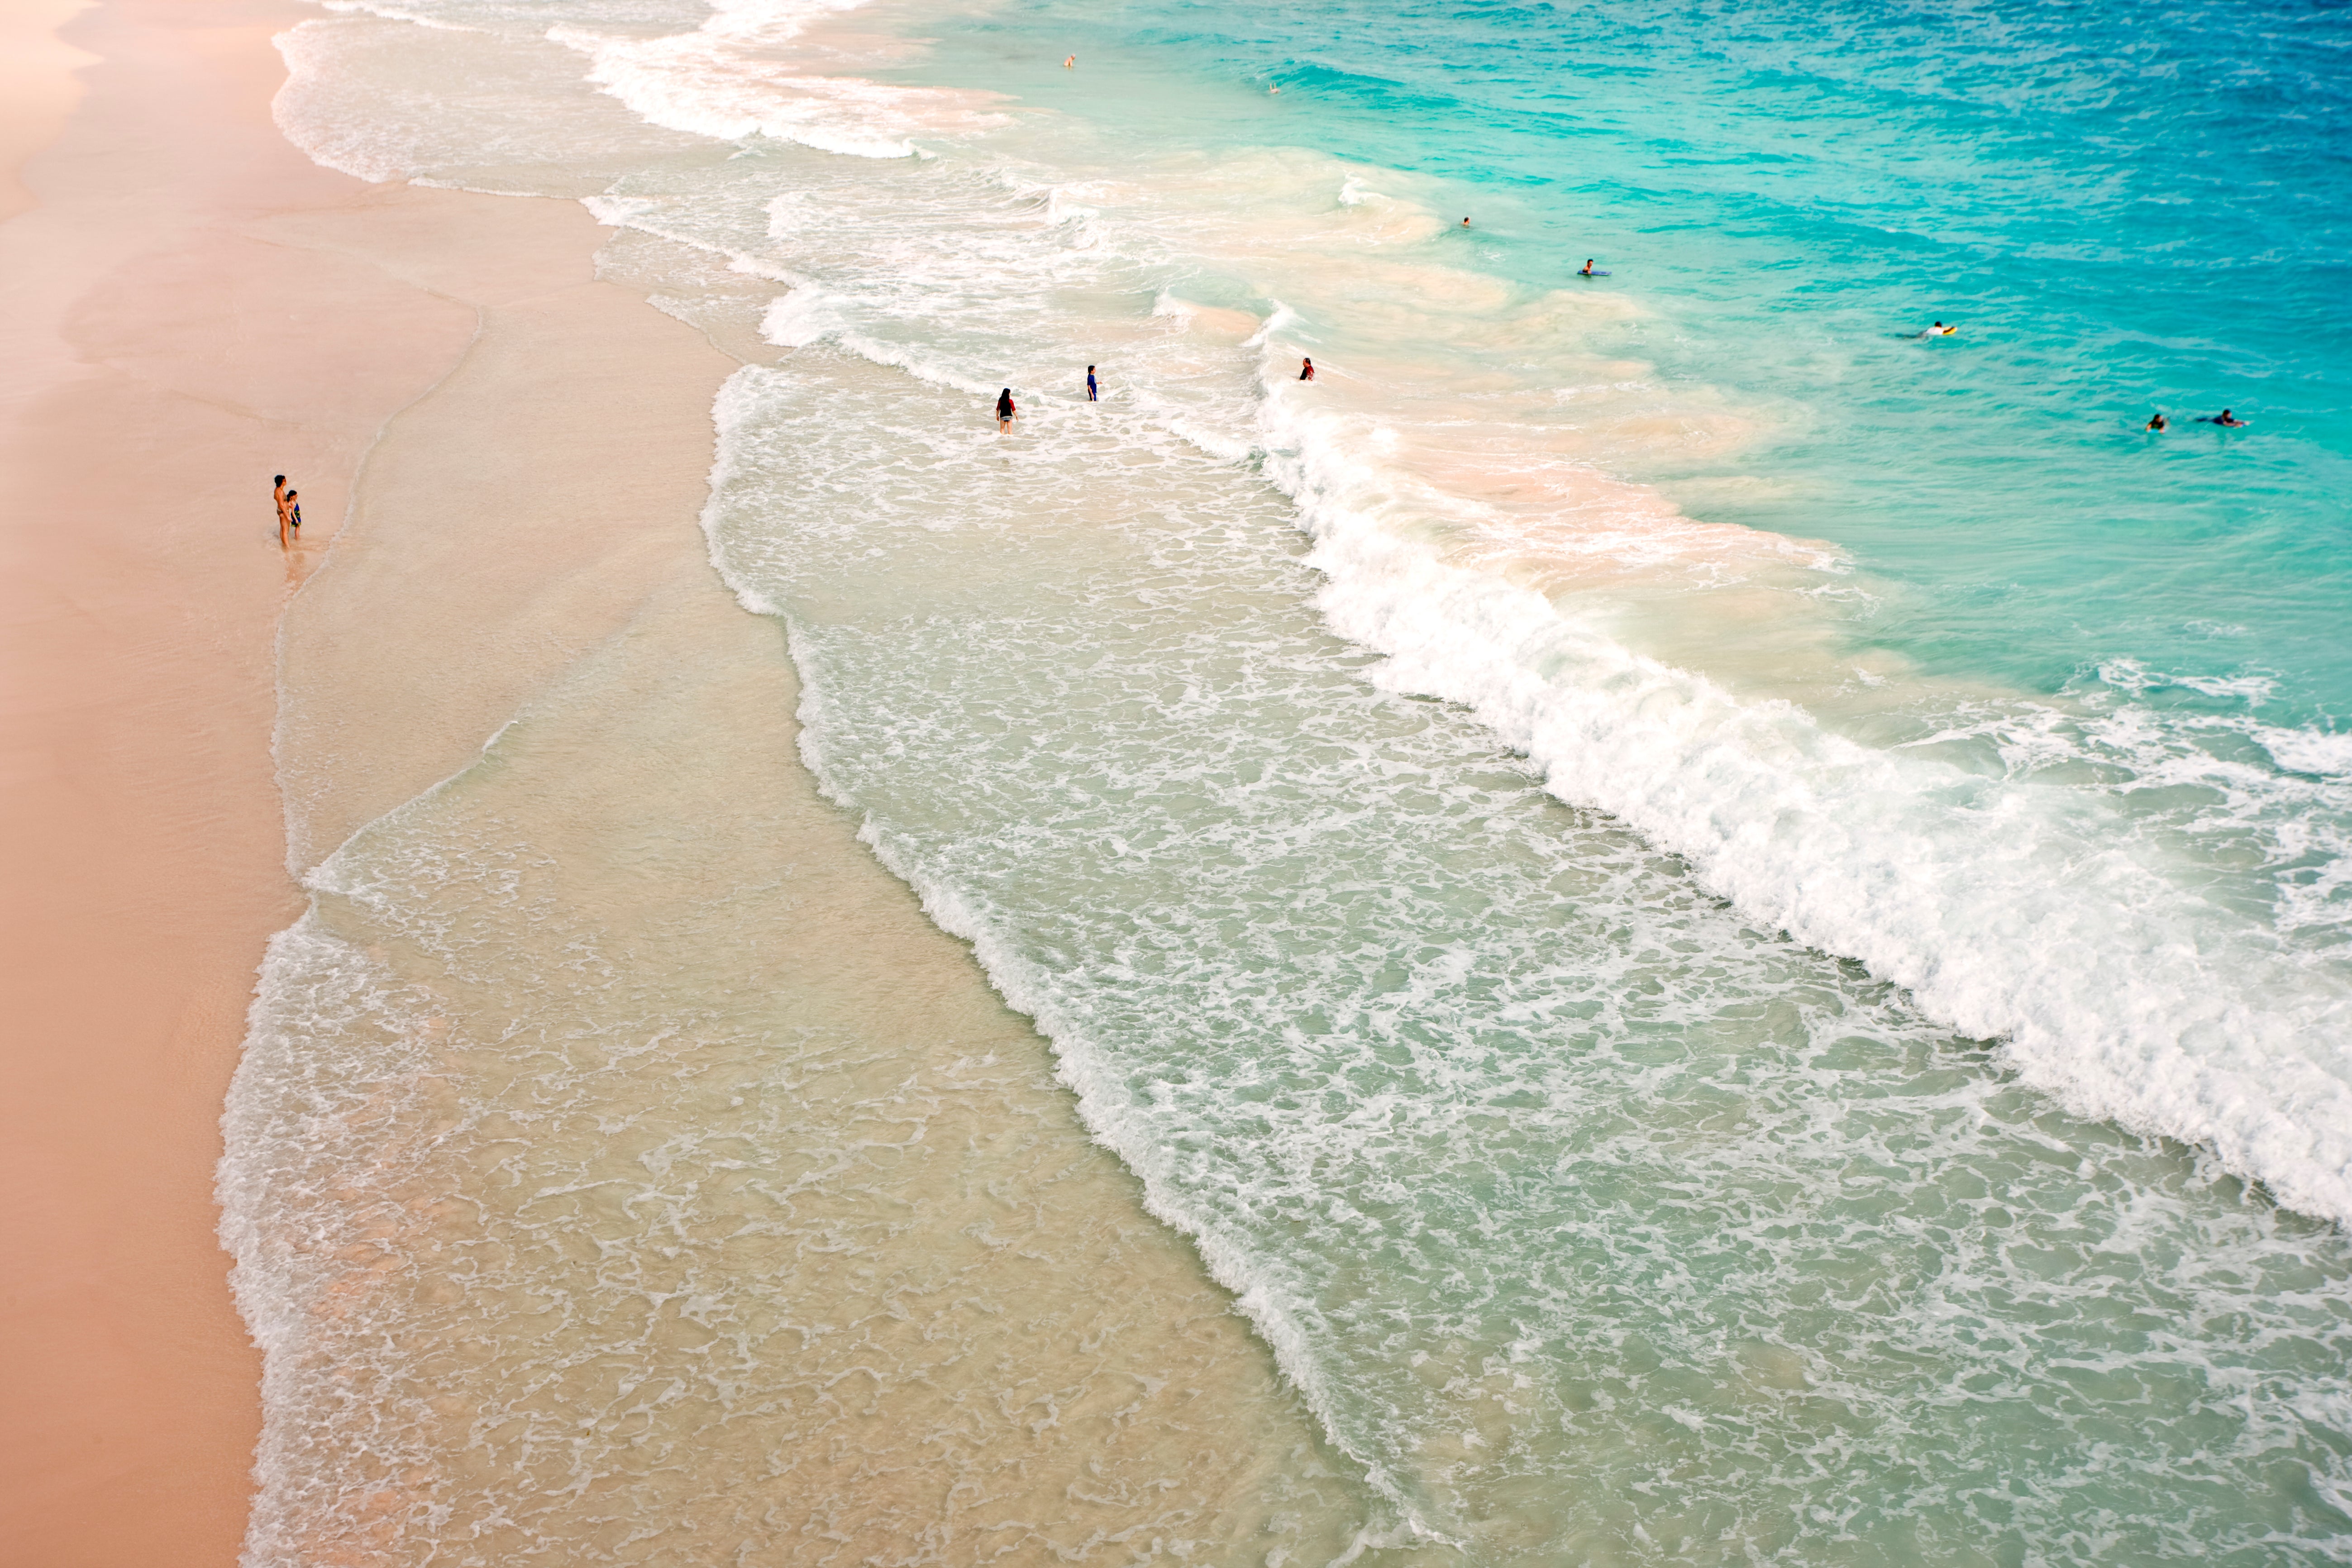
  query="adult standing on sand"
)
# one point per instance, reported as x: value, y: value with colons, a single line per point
x: 277, y: 494
x: 1005, y: 410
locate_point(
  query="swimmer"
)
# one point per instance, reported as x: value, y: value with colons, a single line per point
x: 1587, y: 268
x: 1004, y: 411
x: 1071, y: 64
x: 1270, y: 86
x: 1939, y: 330
x: 1307, y: 369
x: 2227, y: 418
x: 1466, y: 223
x: 2156, y: 423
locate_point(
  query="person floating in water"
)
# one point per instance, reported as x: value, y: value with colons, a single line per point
x: 2156, y: 423
x: 1466, y: 223
x: 1093, y: 395
x: 1939, y: 330
x: 1004, y: 411
x: 1587, y: 272
x: 2225, y: 418
x: 1307, y: 369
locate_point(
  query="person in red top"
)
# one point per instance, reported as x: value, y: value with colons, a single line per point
x: 1004, y: 411
x: 1307, y: 369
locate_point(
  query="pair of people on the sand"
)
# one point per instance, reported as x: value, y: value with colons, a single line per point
x: 289, y: 512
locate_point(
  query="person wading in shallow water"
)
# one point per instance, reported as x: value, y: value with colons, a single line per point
x: 277, y: 494
x: 1092, y: 392
x: 1004, y: 411
x: 294, y: 513
x: 1307, y: 369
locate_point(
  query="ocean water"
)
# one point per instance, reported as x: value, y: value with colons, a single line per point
x: 1727, y: 923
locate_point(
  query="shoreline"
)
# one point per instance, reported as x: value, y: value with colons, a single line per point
x: 502, y: 457
x: 183, y: 299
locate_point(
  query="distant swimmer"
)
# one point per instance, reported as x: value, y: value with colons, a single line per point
x: 1071, y: 64
x: 1466, y: 223
x: 1307, y: 369
x: 1004, y: 411
x: 2157, y: 423
x: 1939, y: 330
x: 1272, y: 86
x: 1588, y: 270
x: 2225, y: 418
x: 1093, y: 395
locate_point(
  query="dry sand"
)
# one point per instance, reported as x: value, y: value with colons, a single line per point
x: 191, y: 307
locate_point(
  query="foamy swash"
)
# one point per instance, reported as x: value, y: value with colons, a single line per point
x: 2011, y: 906
x: 1594, y: 1218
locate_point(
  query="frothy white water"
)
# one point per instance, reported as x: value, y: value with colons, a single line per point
x: 1572, y: 1201
x: 2011, y: 906
x: 739, y: 75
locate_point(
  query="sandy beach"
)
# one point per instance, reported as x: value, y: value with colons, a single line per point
x: 500, y: 461
x: 180, y: 311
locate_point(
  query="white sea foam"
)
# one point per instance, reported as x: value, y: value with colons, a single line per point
x: 1497, y: 568
x: 739, y: 76
x: 1399, y: 1046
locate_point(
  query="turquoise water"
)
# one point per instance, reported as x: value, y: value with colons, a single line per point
x: 1727, y: 925
x: 2124, y: 210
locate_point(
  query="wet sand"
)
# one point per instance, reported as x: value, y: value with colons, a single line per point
x: 191, y: 307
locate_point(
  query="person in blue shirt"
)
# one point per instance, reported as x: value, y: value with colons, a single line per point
x: 1092, y: 395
